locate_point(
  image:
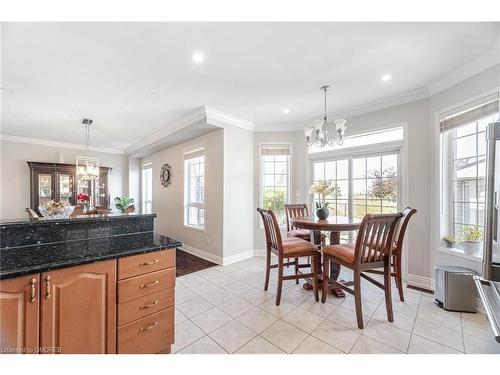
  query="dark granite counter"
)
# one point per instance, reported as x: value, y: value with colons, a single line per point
x: 33, y: 246
x: 24, y: 260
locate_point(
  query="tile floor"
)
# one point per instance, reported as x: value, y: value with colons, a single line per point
x: 225, y: 310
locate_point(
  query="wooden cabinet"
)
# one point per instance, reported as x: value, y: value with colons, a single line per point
x: 58, y: 181
x: 146, y: 296
x: 78, y: 309
x: 19, y: 314
x: 85, y: 309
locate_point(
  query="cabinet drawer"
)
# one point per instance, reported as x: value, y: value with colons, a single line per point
x: 151, y: 303
x: 144, y: 263
x: 139, y: 286
x: 151, y: 334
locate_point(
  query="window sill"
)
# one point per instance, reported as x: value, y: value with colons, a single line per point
x: 199, y: 229
x: 459, y: 253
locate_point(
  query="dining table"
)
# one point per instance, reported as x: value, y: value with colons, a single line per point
x: 333, y: 225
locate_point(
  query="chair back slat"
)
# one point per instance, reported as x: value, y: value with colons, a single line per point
x: 375, y: 237
x: 272, y: 230
x: 295, y: 210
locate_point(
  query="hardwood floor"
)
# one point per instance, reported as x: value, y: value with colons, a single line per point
x: 187, y: 263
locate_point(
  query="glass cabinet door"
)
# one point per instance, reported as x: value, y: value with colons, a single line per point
x: 44, y: 187
x: 101, y: 190
x: 66, y: 187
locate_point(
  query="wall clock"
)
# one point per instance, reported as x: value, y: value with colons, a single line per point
x: 166, y: 175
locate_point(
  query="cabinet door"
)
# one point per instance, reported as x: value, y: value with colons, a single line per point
x: 65, y: 187
x: 19, y: 312
x: 79, y: 309
x: 44, y: 188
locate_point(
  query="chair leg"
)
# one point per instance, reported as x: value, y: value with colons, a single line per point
x: 296, y: 270
x: 387, y: 290
x: 314, y: 267
x: 399, y: 280
x: 326, y: 272
x: 280, y: 281
x: 357, y: 298
x: 268, y: 270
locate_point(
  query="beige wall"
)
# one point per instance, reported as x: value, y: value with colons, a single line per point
x: 15, y: 177
x: 168, y: 203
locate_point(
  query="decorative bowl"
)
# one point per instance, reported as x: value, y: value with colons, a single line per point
x: 64, y: 214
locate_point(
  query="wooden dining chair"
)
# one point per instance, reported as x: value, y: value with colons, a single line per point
x: 397, y: 252
x: 77, y: 211
x: 372, y: 250
x: 291, y: 247
x: 296, y: 210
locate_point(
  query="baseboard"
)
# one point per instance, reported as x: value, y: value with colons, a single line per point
x: 420, y: 282
x: 259, y: 252
x: 237, y: 257
x: 202, y: 254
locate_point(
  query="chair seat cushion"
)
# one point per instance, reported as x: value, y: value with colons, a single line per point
x: 300, y: 233
x: 343, y: 252
x: 298, y: 247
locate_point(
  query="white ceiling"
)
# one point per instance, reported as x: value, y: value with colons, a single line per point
x: 54, y: 74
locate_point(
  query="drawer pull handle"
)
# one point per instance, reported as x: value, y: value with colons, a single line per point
x: 142, y: 286
x: 149, y: 305
x: 47, y: 287
x: 147, y: 328
x: 32, y: 290
x: 149, y: 263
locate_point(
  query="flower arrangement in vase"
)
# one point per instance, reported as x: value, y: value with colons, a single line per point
x: 323, y: 189
x: 84, y: 200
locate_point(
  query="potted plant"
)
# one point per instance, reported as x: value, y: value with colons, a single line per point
x: 323, y: 189
x: 449, y: 241
x: 124, y: 204
x: 471, y: 239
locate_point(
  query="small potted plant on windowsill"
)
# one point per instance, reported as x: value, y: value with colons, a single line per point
x: 323, y: 189
x: 471, y: 239
x: 449, y: 241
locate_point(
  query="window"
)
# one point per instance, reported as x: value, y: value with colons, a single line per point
x: 147, y: 188
x: 275, y: 179
x: 194, y: 188
x: 364, y: 184
x: 463, y: 168
x: 364, y: 139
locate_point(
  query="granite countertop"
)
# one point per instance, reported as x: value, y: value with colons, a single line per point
x: 74, y: 219
x: 25, y: 260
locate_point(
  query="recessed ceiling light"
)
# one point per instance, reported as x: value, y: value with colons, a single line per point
x: 386, y: 77
x: 286, y: 111
x: 198, y: 57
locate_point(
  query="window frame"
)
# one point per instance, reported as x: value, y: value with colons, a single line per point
x: 144, y: 167
x: 187, y: 178
x: 265, y: 145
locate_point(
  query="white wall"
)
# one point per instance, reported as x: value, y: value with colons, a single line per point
x: 238, y: 194
x: 168, y: 202
x: 15, y: 176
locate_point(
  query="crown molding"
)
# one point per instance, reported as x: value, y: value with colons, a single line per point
x: 221, y: 119
x: 191, y: 118
x: 377, y: 105
x: 470, y: 69
x: 44, y: 142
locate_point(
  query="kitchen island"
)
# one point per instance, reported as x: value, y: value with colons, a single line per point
x: 89, y: 284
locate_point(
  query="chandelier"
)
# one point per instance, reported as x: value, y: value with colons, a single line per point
x: 325, y: 133
x: 87, y: 167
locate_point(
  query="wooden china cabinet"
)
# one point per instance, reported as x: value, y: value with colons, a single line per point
x: 58, y: 181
